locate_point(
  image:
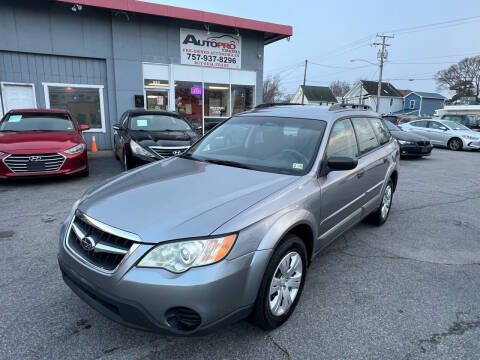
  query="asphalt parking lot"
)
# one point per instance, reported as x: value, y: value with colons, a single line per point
x: 407, y: 290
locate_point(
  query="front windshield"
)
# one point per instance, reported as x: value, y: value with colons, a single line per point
x: 151, y: 122
x: 392, y: 127
x: 454, y: 125
x: 37, y: 122
x: 282, y: 145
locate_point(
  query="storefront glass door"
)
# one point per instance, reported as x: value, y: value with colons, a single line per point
x: 156, y: 99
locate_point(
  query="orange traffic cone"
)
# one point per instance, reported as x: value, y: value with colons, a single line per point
x: 94, y: 144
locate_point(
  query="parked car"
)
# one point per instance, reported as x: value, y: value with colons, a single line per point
x: 397, y: 119
x: 143, y: 136
x: 446, y: 133
x: 274, y: 187
x: 472, y: 121
x: 39, y: 142
x: 411, y: 145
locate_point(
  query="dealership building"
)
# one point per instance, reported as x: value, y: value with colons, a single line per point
x: 99, y: 58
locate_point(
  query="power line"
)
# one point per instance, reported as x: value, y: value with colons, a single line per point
x: 428, y: 26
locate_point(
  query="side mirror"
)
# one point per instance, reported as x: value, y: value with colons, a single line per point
x: 443, y: 128
x: 339, y: 163
x: 198, y: 128
x: 84, y: 127
x: 117, y: 127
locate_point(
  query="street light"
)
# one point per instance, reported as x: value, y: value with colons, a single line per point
x: 353, y: 60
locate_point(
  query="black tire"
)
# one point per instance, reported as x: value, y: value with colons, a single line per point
x: 115, y: 150
x: 455, y: 144
x: 377, y: 217
x: 126, y: 160
x: 262, y: 315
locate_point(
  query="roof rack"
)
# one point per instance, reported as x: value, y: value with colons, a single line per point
x: 335, y: 107
x: 265, y: 105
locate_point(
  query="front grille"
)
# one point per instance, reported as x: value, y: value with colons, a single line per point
x: 423, y: 143
x: 34, y: 162
x: 108, y: 249
x: 166, y: 152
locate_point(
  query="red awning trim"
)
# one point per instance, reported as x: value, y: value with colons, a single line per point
x: 276, y: 31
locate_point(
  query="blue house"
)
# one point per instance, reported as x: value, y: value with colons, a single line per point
x: 422, y: 103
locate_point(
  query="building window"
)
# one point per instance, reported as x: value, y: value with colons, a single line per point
x: 242, y: 98
x: 189, y: 101
x: 85, y: 102
x: 412, y: 104
x: 216, y: 104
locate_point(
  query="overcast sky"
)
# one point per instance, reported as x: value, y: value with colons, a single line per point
x: 331, y: 33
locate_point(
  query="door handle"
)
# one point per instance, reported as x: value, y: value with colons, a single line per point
x: 360, y: 173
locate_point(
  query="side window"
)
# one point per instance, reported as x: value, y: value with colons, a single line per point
x: 342, y: 140
x: 436, y: 125
x: 381, y: 130
x: 419, y: 124
x: 367, y: 140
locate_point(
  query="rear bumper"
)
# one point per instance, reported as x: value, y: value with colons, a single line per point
x: 73, y: 164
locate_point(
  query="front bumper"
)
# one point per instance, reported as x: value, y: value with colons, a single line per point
x: 220, y: 293
x: 415, y: 150
x: 472, y: 145
x: 73, y: 164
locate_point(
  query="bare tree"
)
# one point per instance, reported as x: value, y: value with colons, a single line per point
x: 463, y: 77
x: 339, y: 88
x: 271, y: 90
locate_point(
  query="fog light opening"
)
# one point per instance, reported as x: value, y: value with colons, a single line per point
x: 182, y: 318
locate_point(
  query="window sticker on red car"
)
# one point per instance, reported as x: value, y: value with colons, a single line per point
x: 14, y: 118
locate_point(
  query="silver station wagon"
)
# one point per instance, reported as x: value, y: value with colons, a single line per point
x: 227, y: 230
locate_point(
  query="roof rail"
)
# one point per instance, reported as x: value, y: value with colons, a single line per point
x: 336, y: 107
x: 265, y: 105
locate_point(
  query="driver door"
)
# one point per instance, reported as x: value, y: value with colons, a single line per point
x: 437, y: 133
x: 341, y: 193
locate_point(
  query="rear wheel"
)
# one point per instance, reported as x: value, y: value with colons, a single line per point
x: 282, y: 284
x: 379, y: 216
x: 455, y: 144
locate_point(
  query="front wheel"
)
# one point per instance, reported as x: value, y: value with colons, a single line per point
x: 282, y: 284
x: 455, y: 144
x: 126, y: 162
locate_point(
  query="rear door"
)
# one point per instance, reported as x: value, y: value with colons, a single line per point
x: 372, y: 162
x: 342, y: 196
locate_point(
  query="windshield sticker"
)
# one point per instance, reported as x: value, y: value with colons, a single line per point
x: 142, y: 122
x: 15, y: 118
x: 298, y: 166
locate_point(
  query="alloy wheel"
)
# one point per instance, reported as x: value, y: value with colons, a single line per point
x: 386, y: 201
x: 285, y: 283
x: 455, y: 144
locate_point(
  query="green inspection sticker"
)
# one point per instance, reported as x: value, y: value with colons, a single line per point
x: 298, y: 166
x: 15, y: 118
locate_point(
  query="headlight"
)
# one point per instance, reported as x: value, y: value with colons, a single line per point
x: 76, y: 149
x: 403, y: 142
x: 180, y: 256
x: 468, y: 137
x: 139, y: 150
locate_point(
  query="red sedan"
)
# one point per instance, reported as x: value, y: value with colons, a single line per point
x: 38, y: 142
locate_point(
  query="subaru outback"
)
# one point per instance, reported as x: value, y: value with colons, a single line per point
x: 227, y: 230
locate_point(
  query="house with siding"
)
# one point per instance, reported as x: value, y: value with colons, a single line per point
x: 365, y: 92
x: 319, y: 95
x: 422, y: 103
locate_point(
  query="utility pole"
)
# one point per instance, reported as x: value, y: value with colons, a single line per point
x: 304, y: 81
x: 382, y: 56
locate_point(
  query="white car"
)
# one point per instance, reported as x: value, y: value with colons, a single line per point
x: 446, y: 133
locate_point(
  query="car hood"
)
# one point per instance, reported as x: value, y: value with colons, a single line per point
x: 178, y: 198
x: 407, y: 136
x: 162, y: 138
x: 17, y: 142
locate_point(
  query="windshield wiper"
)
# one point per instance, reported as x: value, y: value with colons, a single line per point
x: 228, y: 163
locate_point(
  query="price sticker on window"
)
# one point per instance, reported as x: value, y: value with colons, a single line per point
x: 15, y: 118
x: 298, y: 166
x: 142, y: 122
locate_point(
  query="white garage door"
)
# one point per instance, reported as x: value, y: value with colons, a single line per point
x: 18, y: 96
